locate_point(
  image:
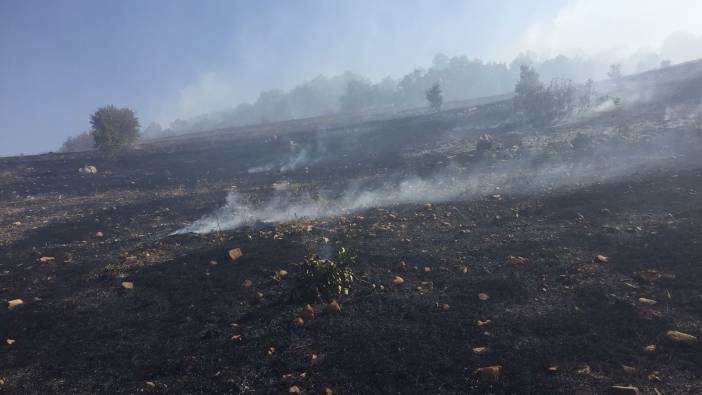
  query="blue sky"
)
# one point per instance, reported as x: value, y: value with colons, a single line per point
x: 61, y: 59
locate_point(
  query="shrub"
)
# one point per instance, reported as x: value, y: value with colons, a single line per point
x: 114, y: 129
x: 581, y: 143
x: 540, y: 105
x: 434, y: 96
x: 324, y: 278
x: 81, y: 142
x: 485, y: 143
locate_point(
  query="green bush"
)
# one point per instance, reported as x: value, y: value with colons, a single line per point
x: 325, y: 278
x: 114, y: 129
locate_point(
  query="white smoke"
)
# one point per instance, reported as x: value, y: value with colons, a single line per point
x: 451, y: 183
x: 297, y: 158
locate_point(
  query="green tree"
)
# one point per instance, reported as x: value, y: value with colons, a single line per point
x: 529, y: 83
x: 615, y: 71
x: 114, y: 129
x: 359, y: 96
x: 435, y: 96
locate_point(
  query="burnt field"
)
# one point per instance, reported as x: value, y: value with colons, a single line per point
x: 563, y: 260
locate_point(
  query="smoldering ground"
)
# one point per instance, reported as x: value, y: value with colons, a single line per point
x: 549, y: 168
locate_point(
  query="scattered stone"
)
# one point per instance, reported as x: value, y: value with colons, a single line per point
x: 247, y: 283
x: 680, y: 337
x: 398, y: 280
x: 653, y: 376
x: 483, y: 323
x: 127, y: 285
x: 629, y: 369
x: 516, y: 260
x: 298, y: 321
x: 480, y: 350
x: 648, y: 313
x: 236, y: 338
x: 327, y: 391
x: 651, y: 348
x: 483, y: 296
x: 47, y: 259
x: 625, y: 390
x: 601, y: 259
x: 651, y: 275
x: 553, y: 369
x: 307, y: 312
x: 150, y: 384
x: 445, y: 307
x: 88, y: 169
x: 465, y: 269
x: 14, y: 303
x: 583, y: 369
x: 295, y: 390
x: 10, y: 341
x: 403, y: 265
x: 259, y: 296
x: 489, y: 373
x: 333, y: 307
x: 234, y: 254
x: 99, y: 234
x: 427, y: 269
x: 280, y: 274
x: 647, y: 301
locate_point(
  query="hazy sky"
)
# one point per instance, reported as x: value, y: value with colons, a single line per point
x: 61, y: 59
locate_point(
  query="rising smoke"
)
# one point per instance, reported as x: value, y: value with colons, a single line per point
x: 529, y: 174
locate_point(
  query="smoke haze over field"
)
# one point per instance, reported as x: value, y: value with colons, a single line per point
x: 62, y: 60
x: 526, y: 174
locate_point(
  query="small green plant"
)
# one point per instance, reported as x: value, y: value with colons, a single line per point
x: 325, y: 278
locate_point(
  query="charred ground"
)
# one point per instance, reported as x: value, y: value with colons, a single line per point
x: 560, y: 321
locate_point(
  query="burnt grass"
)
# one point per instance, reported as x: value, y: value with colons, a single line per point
x: 190, y: 326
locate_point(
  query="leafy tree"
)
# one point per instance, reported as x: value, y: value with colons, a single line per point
x: 615, y: 71
x: 586, y: 96
x: 529, y: 83
x: 441, y: 62
x: 114, y: 129
x: 359, y: 96
x: 153, y: 130
x: 435, y: 96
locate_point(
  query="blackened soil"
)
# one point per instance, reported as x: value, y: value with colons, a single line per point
x: 556, y: 320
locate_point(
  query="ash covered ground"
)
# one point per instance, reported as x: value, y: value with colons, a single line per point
x: 562, y: 254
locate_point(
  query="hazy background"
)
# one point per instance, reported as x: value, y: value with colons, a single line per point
x: 60, y: 60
